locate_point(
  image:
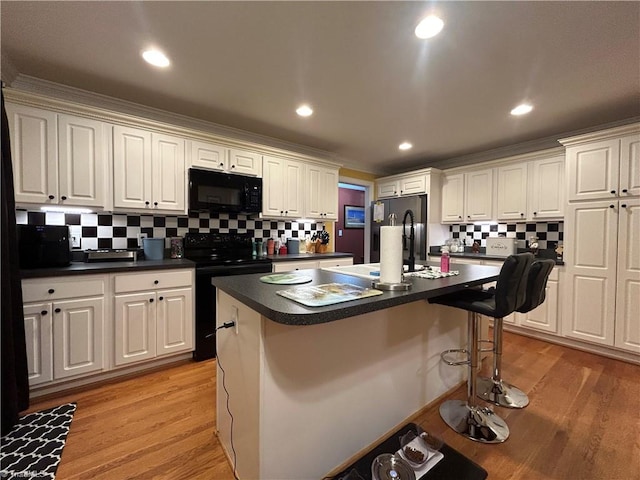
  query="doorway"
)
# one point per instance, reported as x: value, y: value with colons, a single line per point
x: 352, y: 233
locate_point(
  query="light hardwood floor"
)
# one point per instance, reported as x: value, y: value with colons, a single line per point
x: 583, y: 422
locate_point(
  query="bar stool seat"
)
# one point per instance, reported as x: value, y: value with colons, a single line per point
x: 476, y: 422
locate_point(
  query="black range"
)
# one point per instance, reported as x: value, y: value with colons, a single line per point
x: 217, y: 255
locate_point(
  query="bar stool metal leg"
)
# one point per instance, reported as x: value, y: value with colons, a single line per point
x: 475, y: 422
x: 494, y: 389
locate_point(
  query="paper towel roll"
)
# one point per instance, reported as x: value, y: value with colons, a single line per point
x: 391, y: 254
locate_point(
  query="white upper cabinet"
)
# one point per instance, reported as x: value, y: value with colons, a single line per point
x: 148, y: 171
x: 453, y: 198
x: 245, y: 162
x: 207, y: 155
x: 547, y: 190
x: 607, y: 168
x: 406, y: 184
x: 478, y: 203
x: 282, y: 188
x: 512, y: 192
x: 321, y: 185
x: 58, y: 159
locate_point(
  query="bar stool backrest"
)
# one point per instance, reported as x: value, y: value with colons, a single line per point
x: 511, y: 287
x: 537, y: 284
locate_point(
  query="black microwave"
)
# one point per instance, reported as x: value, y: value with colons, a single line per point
x: 42, y: 246
x: 218, y: 192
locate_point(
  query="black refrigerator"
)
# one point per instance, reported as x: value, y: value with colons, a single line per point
x: 380, y: 211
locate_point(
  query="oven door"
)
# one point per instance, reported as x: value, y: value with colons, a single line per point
x: 206, y: 303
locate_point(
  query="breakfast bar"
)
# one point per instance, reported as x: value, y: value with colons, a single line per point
x: 310, y: 387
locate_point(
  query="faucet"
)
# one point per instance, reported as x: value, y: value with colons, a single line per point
x: 411, y: 261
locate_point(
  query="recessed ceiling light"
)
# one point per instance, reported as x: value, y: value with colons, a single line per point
x: 304, y: 110
x: 522, y: 109
x: 156, y: 58
x: 405, y: 146
x: 429, y: 27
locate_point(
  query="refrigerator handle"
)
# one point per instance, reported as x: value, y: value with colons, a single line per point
x: 376, y: 242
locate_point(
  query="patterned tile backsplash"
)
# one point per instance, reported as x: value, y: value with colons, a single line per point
x: 548, y: 233
x: 101, y: 230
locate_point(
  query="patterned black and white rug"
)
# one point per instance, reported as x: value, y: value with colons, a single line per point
x: 32, y: 449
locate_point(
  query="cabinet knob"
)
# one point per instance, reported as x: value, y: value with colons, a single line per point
x: 400, y: 192
x: 521, y: 214
x: 57, y: 310
x: 624, y: 190
x: 460, y: 217
x: 221, y: 164
x: 155, y: 282
x: 161, y: 298
x: 613, y: 192
x: 624, y: 205
x: 233, y: 166
x: 151, y: 300
x: 146, y: 203
x: 535, y: 213
x: 286, y: 212
x: 155, y: 204
x: 612, y: 206
x: 51, y: 197
x: 64, y: 197
x: 43, y: 312
x: 281, y: 212
x: 51, y: 290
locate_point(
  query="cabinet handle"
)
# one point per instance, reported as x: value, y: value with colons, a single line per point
x: 233, y: 166
x: 624, y: 190
x: 51, y: 197
x: 535, y: 213
x: 221, y: 164
x: 146, y: 203
x: 521, y: 214
x: 613, y: 192
x: 612, y: 206
x: 161, y: 298
x: 155, y: 282
x: 286, y: 212
x: 57, y: 310
x: 281, y: 212
x: 155, y: 204
x: 151, y: 300
x: 460, y: 217
x: 51, y: 290
x: 43, y: 312
x: 624, y: 205
x: 64, y: 197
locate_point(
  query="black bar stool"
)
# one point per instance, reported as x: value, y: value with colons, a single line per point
x: 494, y: 389
x: 474, y: 421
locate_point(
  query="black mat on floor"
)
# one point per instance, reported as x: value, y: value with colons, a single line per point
x: 32, y: 449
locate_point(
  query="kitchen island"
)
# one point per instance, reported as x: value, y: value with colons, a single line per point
x: 310, y: 387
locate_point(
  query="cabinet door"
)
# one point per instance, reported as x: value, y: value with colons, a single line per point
x: 168, y: 173
x: 242, y: 161
x: 593, y: 170
x: 545, y: 316
x: 413, y: 185
x: 547, y: 189
x: 322, y: 192
x: 590, y: 256
x: 174, y: 327
x: 329, y: 187
x: 131, y: 168
x: 293, y: 192
x: 208, y: 155
x: 135, y: 327
x: 630, y: 165
x: 273, y: 185
x: 627, y: 333
x: 479, y: 195
x: 512, y: 192
x: 82, y: 161
x: 78, y: 334
x: 313, y: 204
x: 39, y: 340
x: 387, y: 189
x: 453, y: 198
x: 34, y: 152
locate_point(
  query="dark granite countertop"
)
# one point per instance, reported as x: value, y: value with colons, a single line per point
x: 262, y: 297
x: 81, y: 268
x: 307, y: 256
x: 483, y: 256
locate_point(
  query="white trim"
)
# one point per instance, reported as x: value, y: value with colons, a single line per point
x: 368, y: 198
x: 601, y: 135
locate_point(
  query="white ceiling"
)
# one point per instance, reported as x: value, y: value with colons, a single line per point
x: 373, y: 84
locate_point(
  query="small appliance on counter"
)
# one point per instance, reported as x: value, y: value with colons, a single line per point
x: 111, y: 255
x: 501, y: 246
x: 43, y: 246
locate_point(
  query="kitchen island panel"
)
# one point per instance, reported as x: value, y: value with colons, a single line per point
x: 305, y: 399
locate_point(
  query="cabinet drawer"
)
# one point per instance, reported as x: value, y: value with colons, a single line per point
x: 53, y: 288
x: 133, y: 282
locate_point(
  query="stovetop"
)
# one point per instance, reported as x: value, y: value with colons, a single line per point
x: 210, y: 249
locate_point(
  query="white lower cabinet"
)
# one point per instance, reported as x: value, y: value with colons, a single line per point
x: 289, y: 266
x: 150, y: 323
x: 64, y: 326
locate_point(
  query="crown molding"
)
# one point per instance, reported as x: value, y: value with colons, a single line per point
x: 601, y: 135
x: 45, y: 94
